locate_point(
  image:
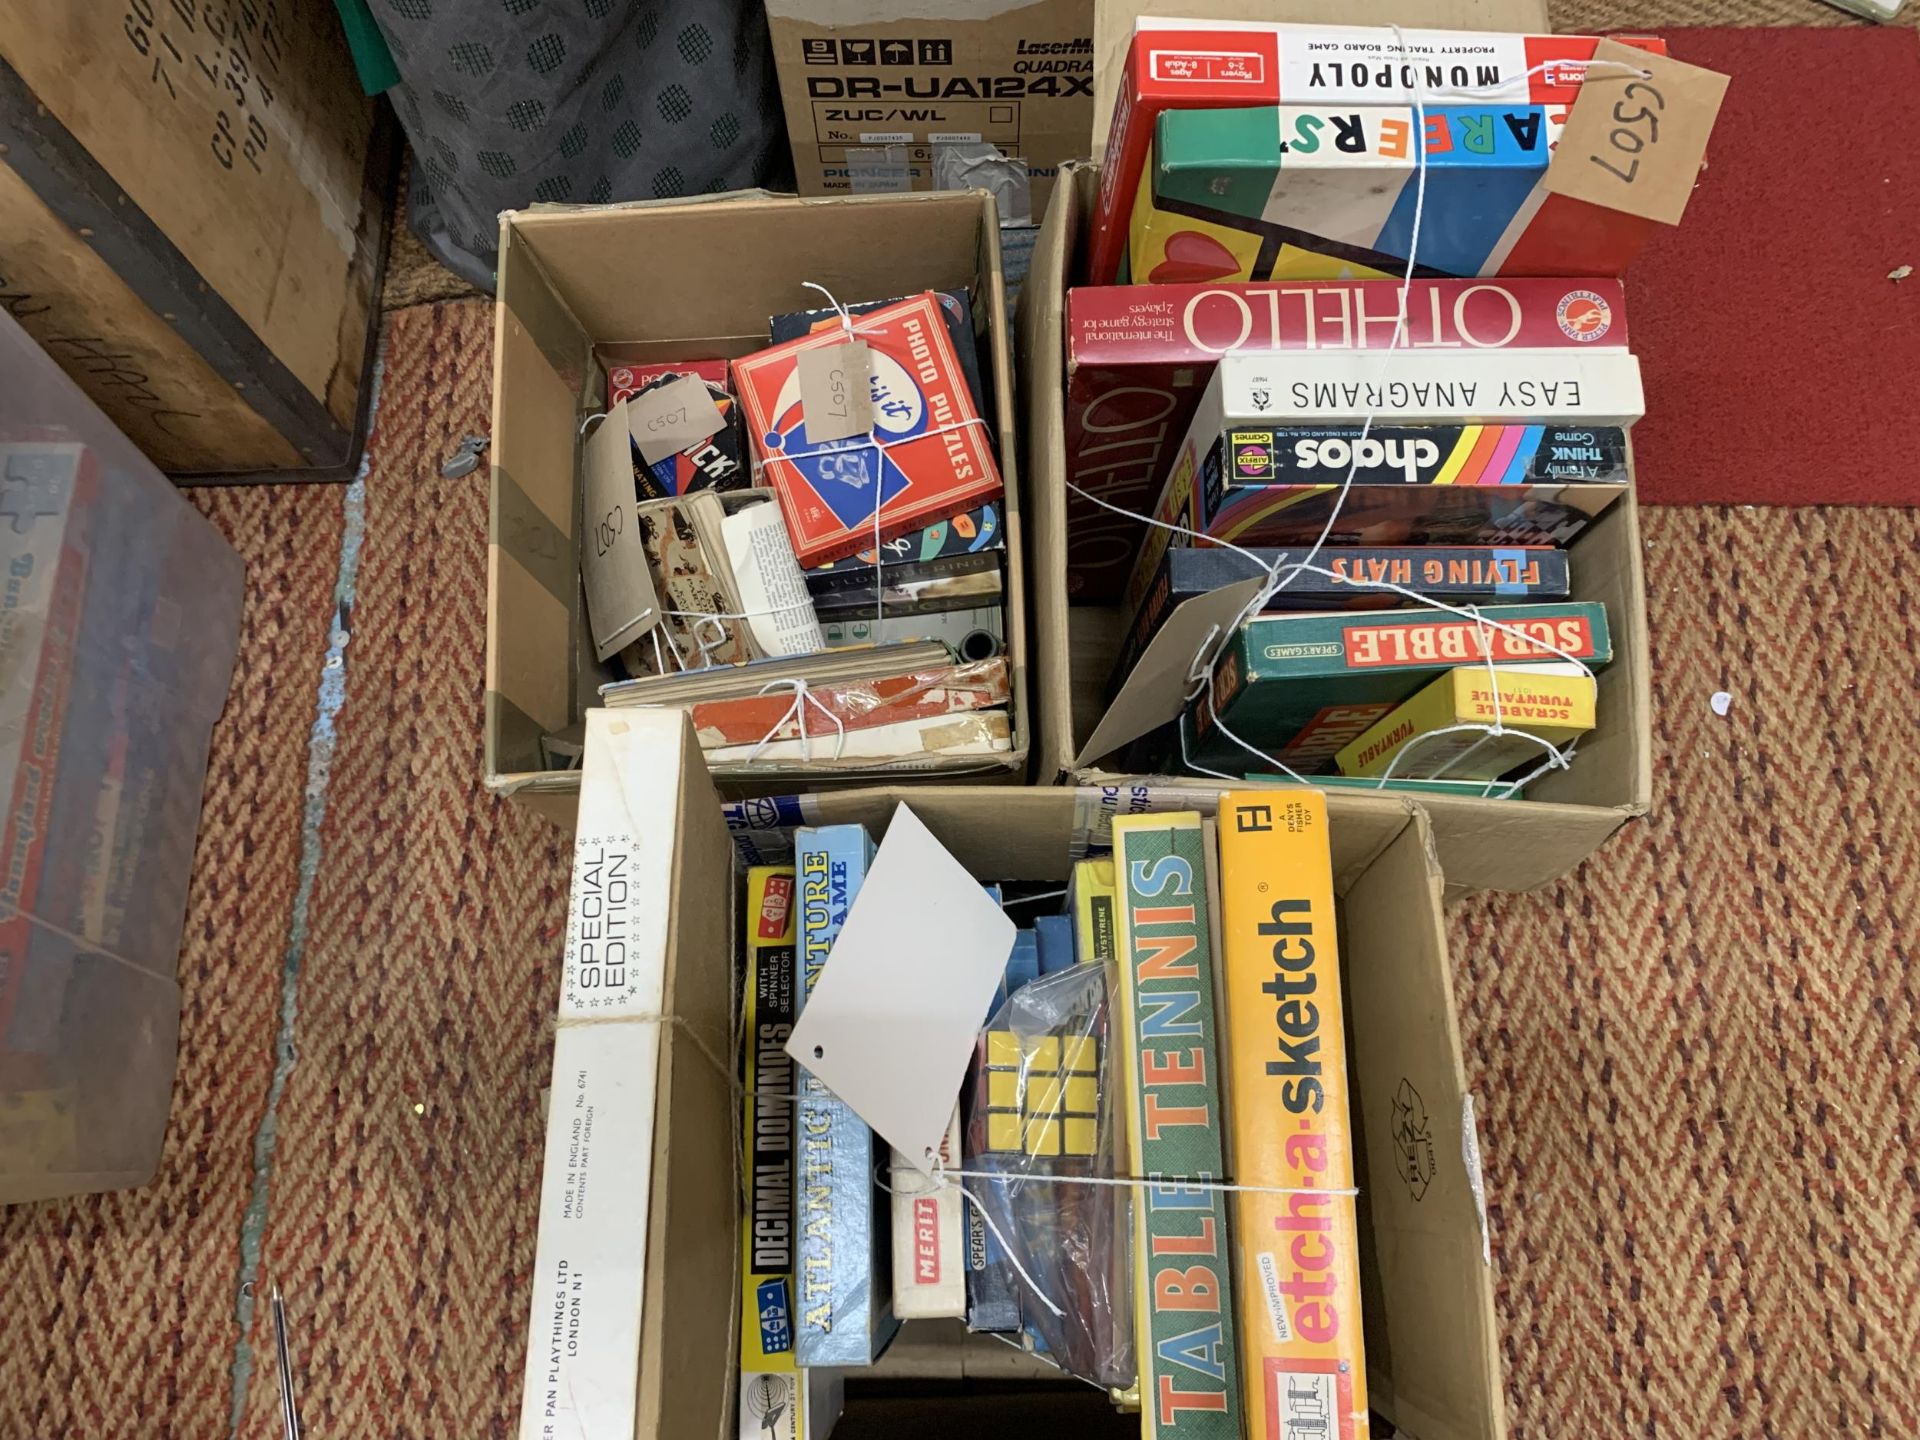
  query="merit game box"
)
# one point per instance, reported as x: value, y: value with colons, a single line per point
x: 1352, y: 74
x: 1139, y: 358
x: 928, y: 454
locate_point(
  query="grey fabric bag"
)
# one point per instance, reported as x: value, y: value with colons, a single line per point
x: 508, y: 102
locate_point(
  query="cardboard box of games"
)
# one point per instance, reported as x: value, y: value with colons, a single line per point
x: 1496, y: 844
x: 634, y: 1326
x: 566, y: 329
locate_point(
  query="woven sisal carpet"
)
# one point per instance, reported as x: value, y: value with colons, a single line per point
x: 1695, y: 1059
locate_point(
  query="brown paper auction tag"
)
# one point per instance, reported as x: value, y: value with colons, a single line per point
x: 621, y: 603
x: 835, y: 395
x: 1636, y: 145
x: 674, y: 417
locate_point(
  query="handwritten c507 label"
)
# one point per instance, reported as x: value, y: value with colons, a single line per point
x: 1635, y: 143
x: 673, y: 417
x: 835, y: 391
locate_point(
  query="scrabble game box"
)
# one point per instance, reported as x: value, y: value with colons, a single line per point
x: 1299, y: 687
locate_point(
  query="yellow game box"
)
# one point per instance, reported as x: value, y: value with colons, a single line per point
x: 1554, y: 703
x: 1296, y: 1270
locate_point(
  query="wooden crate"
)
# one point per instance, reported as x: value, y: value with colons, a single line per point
x: 193, y: 201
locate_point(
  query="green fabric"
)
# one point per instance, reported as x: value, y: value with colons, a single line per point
x: 1223, y: 159
x: 371, y: 58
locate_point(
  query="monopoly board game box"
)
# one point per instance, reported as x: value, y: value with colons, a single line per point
x: 1174, y: 66
x: 1139, y: 357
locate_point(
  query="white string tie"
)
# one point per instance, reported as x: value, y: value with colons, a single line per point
x: 796, y: 714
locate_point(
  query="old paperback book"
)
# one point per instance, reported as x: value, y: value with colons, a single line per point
x: 778, y: 1400
x: 1184, y: 1323
x: 687, y: 557
x: 1296, y: 1256
x: 853, y: 704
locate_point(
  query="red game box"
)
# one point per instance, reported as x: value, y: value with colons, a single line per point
x: 626, y: 381
x: 1139, y: 356
x: 1205, y: 65
x: 928, y: 454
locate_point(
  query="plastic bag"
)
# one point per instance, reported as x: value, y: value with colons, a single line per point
x: 1044, y: 1109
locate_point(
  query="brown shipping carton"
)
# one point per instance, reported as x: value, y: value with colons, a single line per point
x: 654, y: 1357
x: 682, y: 280
x: 193, y: 221
x: 1484, y: 844
x: 868, y: 100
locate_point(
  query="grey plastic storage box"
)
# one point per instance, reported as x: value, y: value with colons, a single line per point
x: 119, y: 620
